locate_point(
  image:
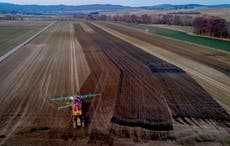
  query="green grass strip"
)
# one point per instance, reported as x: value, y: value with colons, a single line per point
x: 206, y: 41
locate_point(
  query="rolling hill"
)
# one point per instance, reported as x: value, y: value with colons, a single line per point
x: 68, y: 9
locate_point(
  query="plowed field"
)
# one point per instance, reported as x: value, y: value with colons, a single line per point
x: 144, y: 99
x: 213, y: 58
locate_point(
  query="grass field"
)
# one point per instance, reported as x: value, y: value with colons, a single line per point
x: 12, y: 34
x: 209, y: 42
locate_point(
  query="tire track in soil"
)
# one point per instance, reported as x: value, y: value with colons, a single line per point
x: 22, y: 70
x: 22, y: 110
x: 4, y: 56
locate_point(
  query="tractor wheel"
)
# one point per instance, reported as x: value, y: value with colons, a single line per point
x: 74, y: 124
x: 82, y: 121
x: 74, y: 121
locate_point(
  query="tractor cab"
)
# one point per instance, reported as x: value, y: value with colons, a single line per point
x: 77, y: 116
x: 76, y: 104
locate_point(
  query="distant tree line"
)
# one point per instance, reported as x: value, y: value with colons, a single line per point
x: 84, y: 16
x: 11, y: 17
x: 211, y: 26
x: 169, y: 19
x: 203, y: 25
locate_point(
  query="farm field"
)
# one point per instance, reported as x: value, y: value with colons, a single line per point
x: 183, y: 36
x: 220, y: 12
x: 140, y: 12
x: 16, y: 32
x: 145, y: 99
x: 36, y: 73
x: 187, y: 29
x: 198, y: 61
x: 216, y: 59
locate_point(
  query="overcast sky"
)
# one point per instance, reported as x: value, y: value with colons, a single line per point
x: 120, y: 2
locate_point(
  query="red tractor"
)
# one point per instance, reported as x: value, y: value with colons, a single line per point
x: 76, y: 104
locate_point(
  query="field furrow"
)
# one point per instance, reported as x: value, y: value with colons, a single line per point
x: 209, y: 78
x: 210, y: 57
x: 131, y: 81
x: 104, y: 79
x: 185, y: 97
x: 148, y: 94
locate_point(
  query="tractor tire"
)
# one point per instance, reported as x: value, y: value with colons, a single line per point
x: 82, y: 121
x: 74, y: 121
x: 74, y: 124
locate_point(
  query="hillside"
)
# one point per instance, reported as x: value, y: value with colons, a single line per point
x: 52, y: 9
x: 68, y: 9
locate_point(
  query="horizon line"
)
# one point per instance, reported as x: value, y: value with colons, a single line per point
x: 113, y: 4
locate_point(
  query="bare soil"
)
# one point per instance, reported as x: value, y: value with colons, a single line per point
x: 212, y: 80
x: 42, y: 69
x: 145, y: 100
x: 210, y: 57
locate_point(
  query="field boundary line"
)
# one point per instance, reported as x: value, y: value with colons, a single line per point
x: 3, y: 57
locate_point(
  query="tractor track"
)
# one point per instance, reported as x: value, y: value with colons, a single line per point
x: 24, y: 43
x: 23, y: 105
